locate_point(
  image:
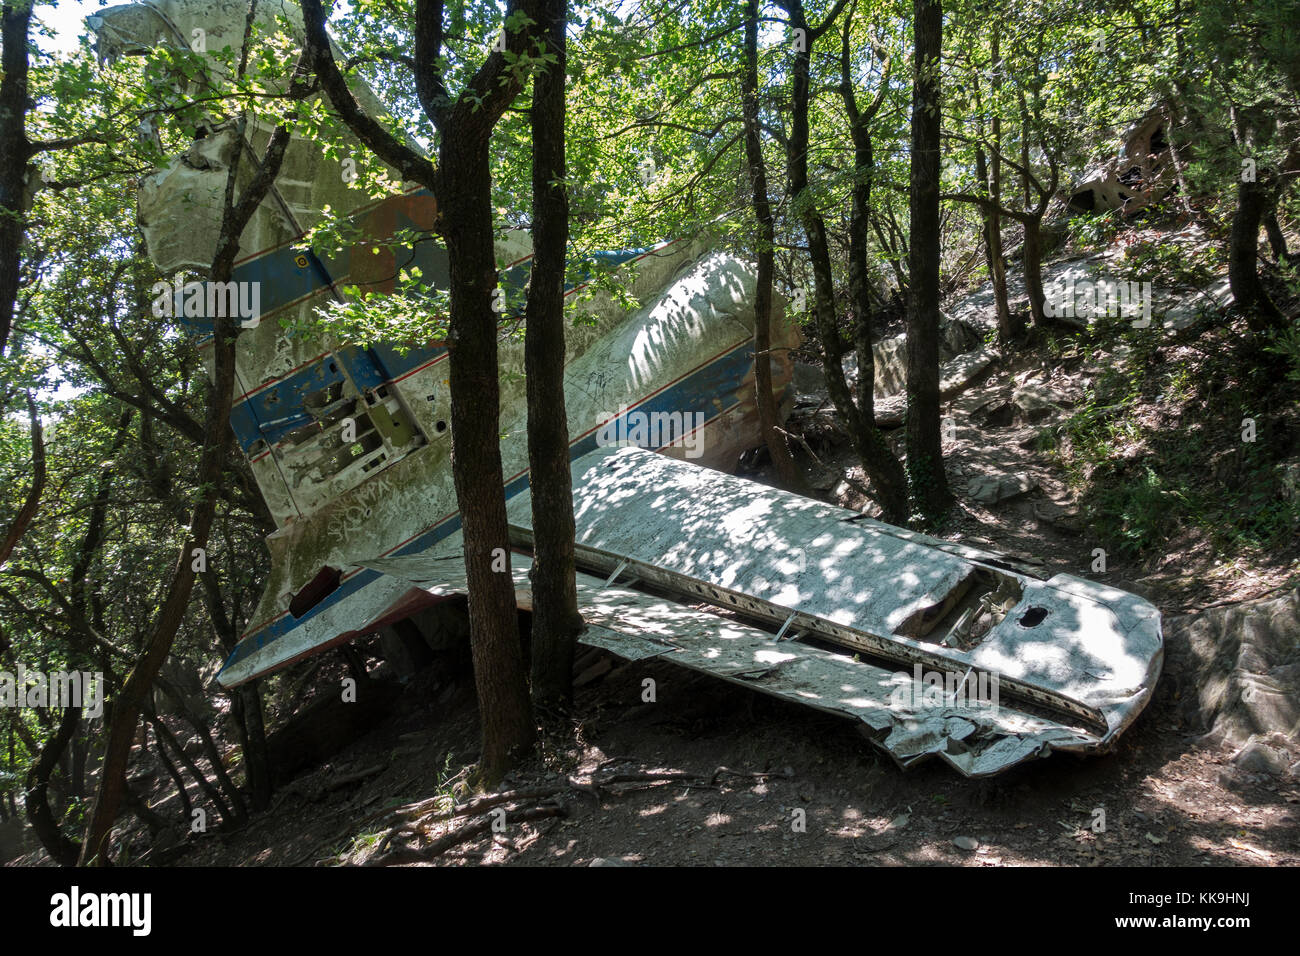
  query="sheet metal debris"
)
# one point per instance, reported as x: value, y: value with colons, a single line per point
x: 1070, y: 663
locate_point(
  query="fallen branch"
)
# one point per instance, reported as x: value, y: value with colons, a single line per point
x: 406, y: 854
x: 750, y: 774
x: 411, y: 821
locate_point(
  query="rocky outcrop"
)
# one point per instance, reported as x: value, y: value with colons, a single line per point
x: 1237, y: 675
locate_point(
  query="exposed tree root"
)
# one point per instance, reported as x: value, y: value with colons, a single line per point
x: 545, y: 799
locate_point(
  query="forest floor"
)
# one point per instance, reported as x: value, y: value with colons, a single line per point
x: 1119, y: 445
x: 1167, y: 796
x: 1166, y: 799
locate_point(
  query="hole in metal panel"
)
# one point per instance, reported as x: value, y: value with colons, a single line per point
x: 1033, y: 617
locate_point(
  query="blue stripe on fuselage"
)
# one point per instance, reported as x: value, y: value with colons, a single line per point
x: 695, y: 392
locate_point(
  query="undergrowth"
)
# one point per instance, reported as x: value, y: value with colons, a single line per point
x: 1193, y: 431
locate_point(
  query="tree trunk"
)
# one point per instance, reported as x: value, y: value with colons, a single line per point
x: 926, y: 478
x: 1243, y: 258
x: 463, y: 188
x: 238, y: 809
x: 245, y: 702
x: 787, y: 470
x: 1276, y: 238
x: 466, y: 209
x: 164, y: 734
x: 252, y: 739
x: 1032, y: 263
x: 15, y: 152
x: 125, y: 708
x: 77, y: 777
x: 556, y: 622
x: 992, y: 233
x: 1009, y: 327
x: 187, y: 809
x: 61, y: 849
x: 877, y: 458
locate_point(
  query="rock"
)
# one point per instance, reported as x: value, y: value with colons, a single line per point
x: 997, y: 415
x: 1235, y: 669
x: 809, y: 382
x: 890, y: 356
x: 993, y: 489
x: 966, y: 843
x: 891, y: 411
x: 1036, y: 402
x: 1217, y: 297
x: 1063, y: 519
x: 609, y: 861
x: 1257, y: 757
x: 956, y: 338
x: 955, y: 376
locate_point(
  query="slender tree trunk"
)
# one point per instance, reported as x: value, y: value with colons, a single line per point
x: 1024, y: 149
x: 787, y: 469
x: 1009, y: 327
x: 1032, y: 263
x: 124, y: 712
x: 61, y: 849
x: 238, y: 810
x: 252, y: 740
x: 462, y: 186
x: 1175, y: 117
x: 32, y: 500
x: 187, y: 809
x: 77, y: 776
x: 245, y: 702
x: 209, y: 790
x: 60, y: 751
x: 1276, y: 238
x: 466, y: 209
x: 926, y: 478
x: 15, y: 152
x: 1243, y: 257
x: 556, y: 622
x: 877, y: 458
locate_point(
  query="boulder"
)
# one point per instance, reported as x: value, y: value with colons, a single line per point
x: 1237, y: 671
x: 1259, y: 757
x: 993, y: 489
x: 1036, y: 401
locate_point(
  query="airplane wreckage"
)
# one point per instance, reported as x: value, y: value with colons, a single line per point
x: 939, y: 650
